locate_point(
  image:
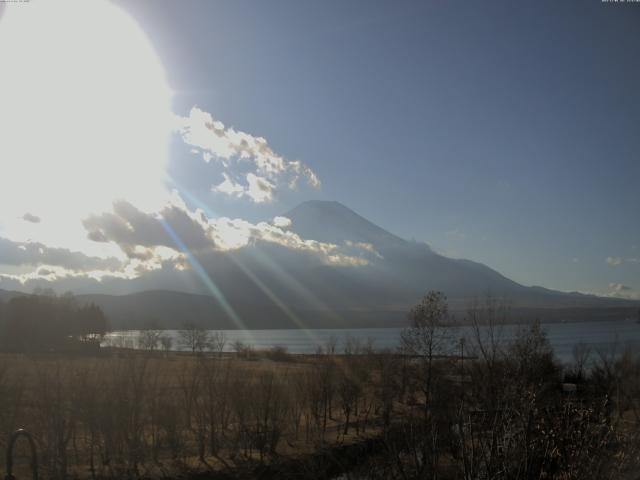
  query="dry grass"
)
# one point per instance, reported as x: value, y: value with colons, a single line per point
x: 126, y: 413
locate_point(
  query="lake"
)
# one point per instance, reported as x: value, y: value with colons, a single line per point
x: 600, y: 336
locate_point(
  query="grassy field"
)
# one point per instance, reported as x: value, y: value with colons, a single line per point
x: 493, y: 410
x: 153, y: 414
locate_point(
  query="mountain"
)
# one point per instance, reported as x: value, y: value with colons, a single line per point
x: 412, y: 267
x: 332, y: 222
x: 6, y: 295
x: 267, y: 285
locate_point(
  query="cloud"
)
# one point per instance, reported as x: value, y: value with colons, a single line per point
x: 37, y: 254
x: 233, y: 234
x: 63, y: 280
x: 619, y: 287
x: 253, y: 169
x: 364, y: 246
x: 282, y: 222
x: 614, y: 261
x: 29, y: 217
x: 257, y: 188
x: 167, y: 241
x: 229, y: 187
x: 620, y: 290
x: 139, y: 235
x: 96, y: 276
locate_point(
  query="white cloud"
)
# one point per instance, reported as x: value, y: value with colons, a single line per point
x: 244, y: 156
x: 36, y: 254
x: 364, y: 246
x: 229, y: 187
x: 259, y: 189
x: 233, y: 234
x: 619, y: 287
x: 282, y: 222
x: 617, y: 261
x: 31, y: 263
x: 620, y: 290
x: 614, y: 261
x: 63, y: 279
x: 139, y: 235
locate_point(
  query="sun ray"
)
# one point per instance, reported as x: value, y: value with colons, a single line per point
x: 204, y: 276
x: 295, y: 285
x: 240, y: 264
x: 274, y: 298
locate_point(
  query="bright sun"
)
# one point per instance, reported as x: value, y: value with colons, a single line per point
x: 85, y: 113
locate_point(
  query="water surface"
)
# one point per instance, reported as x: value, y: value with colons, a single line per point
x: 600, y: 336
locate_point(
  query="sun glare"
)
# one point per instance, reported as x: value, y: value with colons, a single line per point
x: 85, y: 111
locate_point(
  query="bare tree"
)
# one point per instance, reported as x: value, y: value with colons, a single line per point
x: 488, y: 319
x: 581, y: 354
x: 330, y: 345
x: 166, y: 342
x: 269, y: 410
x: 427, y: 336
x: 218, y: 341
x: 149, y: 339
x: 349, y: 390
x: 194, y: 338
x: 243, y: 350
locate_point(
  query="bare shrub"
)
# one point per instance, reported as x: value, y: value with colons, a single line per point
x: 244, y: 351
x: 279, y: 353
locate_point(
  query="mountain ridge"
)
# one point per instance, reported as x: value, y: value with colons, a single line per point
x: 311, y: 218
x: 270, y: 286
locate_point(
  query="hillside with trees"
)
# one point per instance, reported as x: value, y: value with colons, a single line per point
x: 45, y: 322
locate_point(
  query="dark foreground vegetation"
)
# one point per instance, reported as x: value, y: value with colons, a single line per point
x: 437, y: 408
x: 45, y: 322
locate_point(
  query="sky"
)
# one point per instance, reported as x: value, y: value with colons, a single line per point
x: 503, y: 132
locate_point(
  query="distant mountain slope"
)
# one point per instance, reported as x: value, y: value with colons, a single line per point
x: 413, y: 267
x: 334, y: 223
x: 6, y: 295
x: 170, y: 309
x: 265, y: 285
